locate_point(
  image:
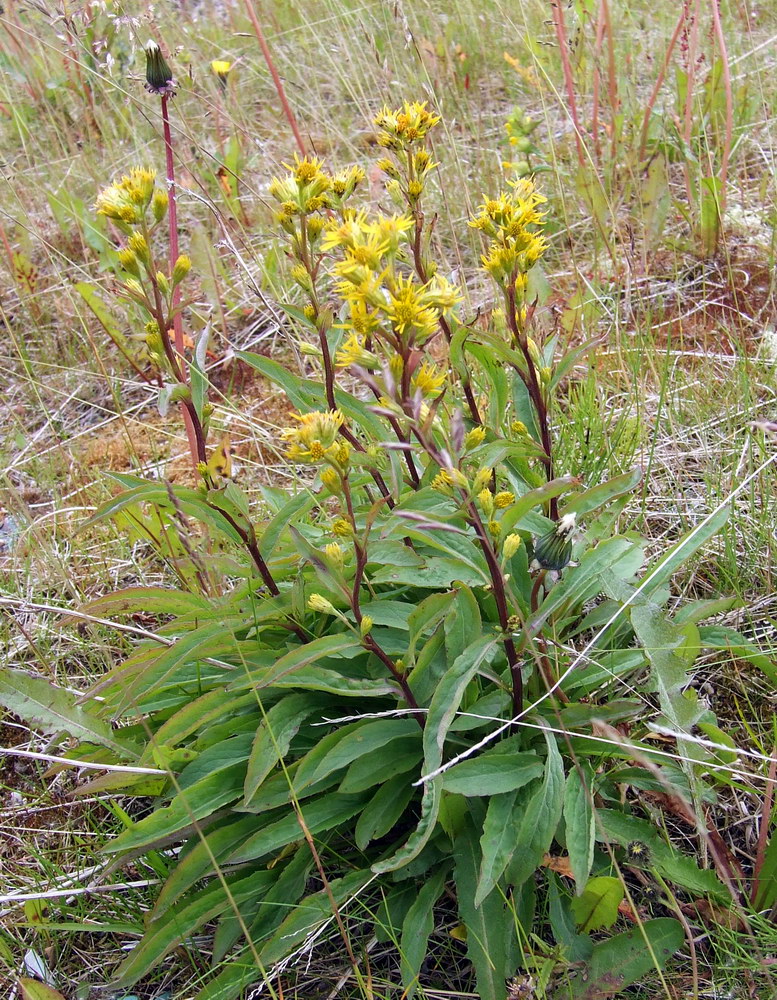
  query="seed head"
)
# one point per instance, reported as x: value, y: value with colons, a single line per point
x: 159, y: 76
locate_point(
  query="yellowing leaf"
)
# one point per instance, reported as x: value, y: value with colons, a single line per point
x: 33, y: 989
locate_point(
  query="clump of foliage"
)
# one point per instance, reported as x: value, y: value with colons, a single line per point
x: 401, y: 682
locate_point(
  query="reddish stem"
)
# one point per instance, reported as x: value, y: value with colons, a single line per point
x: 191, y: 434
x: 721, y: 39
x: 274, y: 74
x: 561, y: 36
x: 659, y: 83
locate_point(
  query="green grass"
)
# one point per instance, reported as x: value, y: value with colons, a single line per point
x: 675, y: 381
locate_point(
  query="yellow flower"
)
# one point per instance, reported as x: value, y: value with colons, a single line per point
x: 482, y: 479
x: 222, y: 69
x: 511, y: 545
x: 306, y: 169
x: 342, y: 528
x: 361, y: 319
x: 353, y: 352
x: 504, y: 499
x: 315, y: 439
x: 406, y: 309
x: 128, y: 199
x: 346, y: 233
x: 408, y: 125
x: 427, y: 380
x: 390, y: 229
x: 343, y: 183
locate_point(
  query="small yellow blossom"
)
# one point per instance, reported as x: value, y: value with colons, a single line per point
x: 427, y: 380
x: 181, y: 268
x: 221, y: 68
x: 315, y: 439
x: 504, y: 499
x: 353, y: 352
x: 127, y: 199
x: 407, y: 310
x: 331, y: 480
x: 402, y: 128
x: 342, y: 528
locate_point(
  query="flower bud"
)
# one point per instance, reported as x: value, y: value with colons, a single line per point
x: 335, y: 554
x: 181, y: 268
x: 474, y: 438
x: 159, y: 205
x: 365, y: 625
x: 164, y: 284
x: 316, y: 602
x: 482, y: 479
x: 331, y: 480
x: 511, y: 545
x: 129, y: 262
x: 138, y: 245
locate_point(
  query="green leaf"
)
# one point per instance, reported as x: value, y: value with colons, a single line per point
x: 536, y: 825
x: 148, y: 600
x: 384, y: 809
x: 182, y: 920
x: 416, y: 928
x: 579, y: 823
x: 312, y: 912
x: 597, y: 906
x: 349, y: 744
x: 53, y: 710
x: 599, y: 495
x: 198, y: 860
x: 289, y: 513
x: 430, y: 807
x: 493, y: 773
x: 738, y: 647
x: 683, y: 550
x: 621, y: 828
x: 498, y: 841
x: 273, y: 738
x: 447, y: 697
x: 321, y: 814
x: 491, y: 938
x: 376, y: 767
x: 625, y: 959
x: 202, y: 798
x: 301, y: 656
x: 462, y: 622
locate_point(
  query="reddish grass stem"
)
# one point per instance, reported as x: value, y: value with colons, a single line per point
x: 275, y: 77
x: 721, y: 40
x: 561, y: 36
x: 659, y: 83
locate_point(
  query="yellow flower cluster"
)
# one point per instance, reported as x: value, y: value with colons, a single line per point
x: 410, y: 124
x: 514, y: 224
x: 309, y: 188
x: 316, y: 439
x: 127, y: 200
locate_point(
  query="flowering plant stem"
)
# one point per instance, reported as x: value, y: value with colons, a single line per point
x: 196, y: 447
